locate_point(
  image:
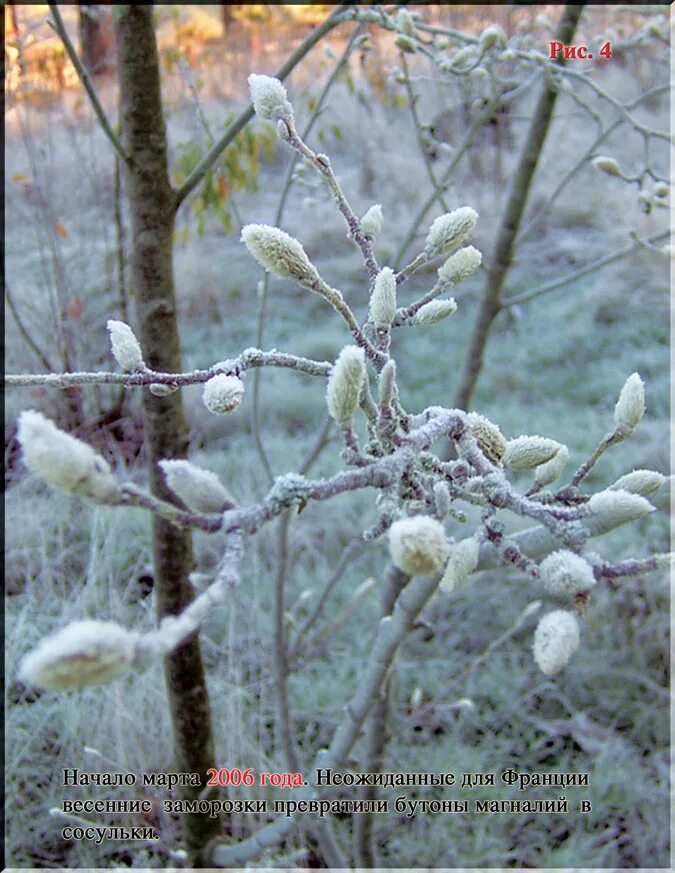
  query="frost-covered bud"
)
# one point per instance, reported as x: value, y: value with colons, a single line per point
x: 159, y: 389
x: 344, y: 384
x: 82, y: 653
x: 442, y: 498
x: 372, y: 221
x: 661, y: 189
x: 223, y: 393
x: 630, y: 407
x: 435, y: 310
x: 607, y: 165
x: 269, y: 98
x: 383, y: 299
x: 564, y: 574
x: 639, y: 482
x: 552, y: 470
x: 556, y: 639
x: 418, y: 545
x: 200, y: 490
x: 125, y: 347
x: 388, y: 383
x: 462, y: 562
x: 460, y: 266
x: 463, y: 59
x: 64, y: 462
x: 491, y: 36
x: 405, y: 44
x: 613, y: 508
x: 450, y: 230
x: 489, y: 436
x: 405, y: 22
x: 527, y: 452
x: 278, y: 252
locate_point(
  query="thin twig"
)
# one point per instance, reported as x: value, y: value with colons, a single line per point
x: 24, y: 332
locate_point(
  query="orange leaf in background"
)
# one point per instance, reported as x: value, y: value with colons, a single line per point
x: 75, y: 309
x: 221, y: 187
x: 18, y: 178
x: 60, y: 229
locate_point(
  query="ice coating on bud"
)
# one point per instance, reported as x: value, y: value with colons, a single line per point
x: 460, y: 266
x: 82, y: 653
x: 462, y: 561
x: 556, y: 639
x: 450, y: 230
x: 64, y: 462
x: 125, y: 347
x: 278, y: 252
x: 418, y: 545
x: 613, y: 508
x: 269, y: 98
x: 200, y: 490
x: 489, y: 436
x: 223, y: 393
x: 607, y: 165
x: 527, y: 452
x: 552, y: 470
x: 344, y: 384
x: 564, y: 574
x: 639, y: 482
x: 630, y: 407
x: 383, y: 298
x: 435, y: 310
x: 372, y: 221
x: 442, y: 498
x: 388, y: 382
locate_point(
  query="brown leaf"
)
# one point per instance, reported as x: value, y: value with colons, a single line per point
x: 60, y: 229
x: 75, y: 309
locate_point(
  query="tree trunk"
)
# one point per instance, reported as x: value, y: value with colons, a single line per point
x: 510, y: 222
x: 97, y: 39
x: 151, y: 201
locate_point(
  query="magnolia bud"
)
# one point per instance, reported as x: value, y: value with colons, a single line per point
x: 383, y: 299
x: 490, y: 37
x: 661, y: 189
x: 388, y: 383
x: 405, y: 44
x: 556, y: 639
x: 405, y: 22
x: 450, y: 230
x: 269, y: 98
x: 344, y: 384
x: 64, y: 462
x: 83, y: 653
x: 607, y: 165
x: 527, y: 452
x: 159, y: 389
x: 223, y: 393
x: 442, y: 499
x: 630, y: 407
x: 460, y: 266
x: 125, y: 347
x: 435, y: 310
x: 418, y: 545
x: 462, y: 561
x: 371, y: 223
x: 613, y: 508
x: 200, y: 490
x: 489, y: 436
x: 565, y: 573
x: 549, y: 472
x: 278, y: 253
x: 639, y: 482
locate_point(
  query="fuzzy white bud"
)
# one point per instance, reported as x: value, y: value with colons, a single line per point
x: 344, y: 384
x: 460, y: 266
x: 450, y: 230
x: 125, y: 347
x: 200, y: 490
x: 405, y: 43
x: 639, y: 482
x: 64, y: 462
x: 160, y: 389
x: 405, y: 22
x: 372, y: 221
x: 278, y: 252
x: 223, y: 393
x: 491, y: 36
x: 607, y: 165
x: 613, y: 508
x: 552, y: 470
x: 435, y: 310
x: 527, y: 452
x: 383, y: 299
x: 462, y: 561
x: 489, y: 437
x: 442, y: 500
x: 630, y: 407
x: 82, y: 653
x: 661, y: 189
x: 418, y: 545
x: 556, y: 639
x: 564, y: 573
x: 269, y: 98
x: 387, y: 383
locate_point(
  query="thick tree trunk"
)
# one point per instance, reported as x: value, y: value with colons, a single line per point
x: 151, y: 200
x: 97, y: 39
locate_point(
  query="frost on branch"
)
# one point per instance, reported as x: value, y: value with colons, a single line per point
x: 556, y: 639
x: 64, y: 462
